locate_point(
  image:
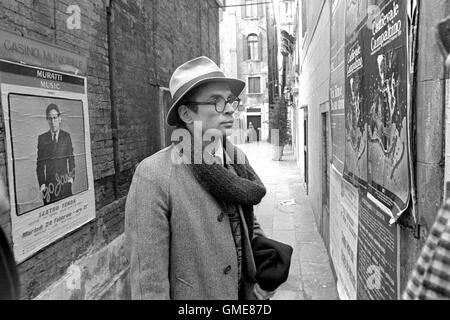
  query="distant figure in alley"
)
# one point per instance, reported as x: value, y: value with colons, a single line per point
x: 252, y: 135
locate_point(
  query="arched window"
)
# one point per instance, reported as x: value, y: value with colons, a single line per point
x: 253, y: 47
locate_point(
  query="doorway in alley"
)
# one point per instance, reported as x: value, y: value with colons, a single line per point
x: 325, y: 164
x: 256, y: 121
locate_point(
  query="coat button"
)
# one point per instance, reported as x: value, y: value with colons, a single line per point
x: 227, y: 270
x: 220, y: 217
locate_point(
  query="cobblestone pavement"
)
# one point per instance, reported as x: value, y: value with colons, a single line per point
x: 311, y: 277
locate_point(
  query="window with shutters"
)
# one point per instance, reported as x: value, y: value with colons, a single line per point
x: 251, y: 8
x: 254, y: 85
x: 252, y: 47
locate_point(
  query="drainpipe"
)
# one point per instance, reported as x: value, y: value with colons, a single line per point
x: 443, y: 31
x: 114, y: 113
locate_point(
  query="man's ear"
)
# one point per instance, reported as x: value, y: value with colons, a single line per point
x: 185, y: 114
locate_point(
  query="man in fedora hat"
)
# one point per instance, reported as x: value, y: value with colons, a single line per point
x: 189, y: 226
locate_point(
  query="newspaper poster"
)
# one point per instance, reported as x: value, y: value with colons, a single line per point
x: 386, y: 72
x: 337, y: 83
x: 344, y: 234
x: 49, y: 164
x: 378, y: 253
x: 335, y: 229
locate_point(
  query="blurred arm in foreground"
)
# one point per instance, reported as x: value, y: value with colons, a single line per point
x: 9, y: 278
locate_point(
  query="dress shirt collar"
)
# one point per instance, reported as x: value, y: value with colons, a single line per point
x: 55, y: 134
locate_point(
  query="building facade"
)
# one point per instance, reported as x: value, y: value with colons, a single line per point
x: 130, y: 49
x: 244, y: 55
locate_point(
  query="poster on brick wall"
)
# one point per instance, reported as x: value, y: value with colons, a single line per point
x: 337, y: 83
x: 49, y: 164
x: 386, y: 94
x: 378, y: 253
x: 344, y: 234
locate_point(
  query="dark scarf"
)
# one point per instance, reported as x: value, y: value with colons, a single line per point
x: 244, y: 189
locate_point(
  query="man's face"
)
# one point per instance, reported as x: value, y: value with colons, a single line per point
x: 207, y: 114
x: 54, y: 120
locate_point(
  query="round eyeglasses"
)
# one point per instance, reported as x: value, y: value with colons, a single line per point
x: 220, y: 103
x: 51, y: 118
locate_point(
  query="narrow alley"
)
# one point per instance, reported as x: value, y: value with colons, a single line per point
x: 311, y: 276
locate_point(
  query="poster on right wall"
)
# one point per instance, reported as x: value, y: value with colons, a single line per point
x: 355, y: 167
x: 374, y: 189
x: 386, y: 74
x: 378, y: 253
x: 337, y: 83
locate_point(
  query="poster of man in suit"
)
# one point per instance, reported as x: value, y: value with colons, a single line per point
x: 55, y: 167
x: 49, y: 156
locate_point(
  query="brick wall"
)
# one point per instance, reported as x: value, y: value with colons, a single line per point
x: 148, y: 40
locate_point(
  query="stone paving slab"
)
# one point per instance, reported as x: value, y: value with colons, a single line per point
x: 307, y: 237
x: 283, y: 222
x: 287, y: 237
x: 317, y: 290
x: 310, y: 276
x: 265, y: 221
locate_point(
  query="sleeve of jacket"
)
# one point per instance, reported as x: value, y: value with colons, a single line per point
x: 70, y: 155
x: 147, y: 233
x: 430, y: 278
x: 40, y: 163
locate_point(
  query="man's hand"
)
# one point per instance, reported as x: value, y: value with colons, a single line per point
x: 43, y: 188
x: 262, y: 294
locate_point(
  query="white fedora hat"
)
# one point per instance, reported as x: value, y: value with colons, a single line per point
x: 192, y: 74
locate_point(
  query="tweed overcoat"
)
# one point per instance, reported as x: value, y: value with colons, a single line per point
x: 178, y: 237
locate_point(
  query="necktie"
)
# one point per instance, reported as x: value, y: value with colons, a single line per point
x: 54, y: 140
